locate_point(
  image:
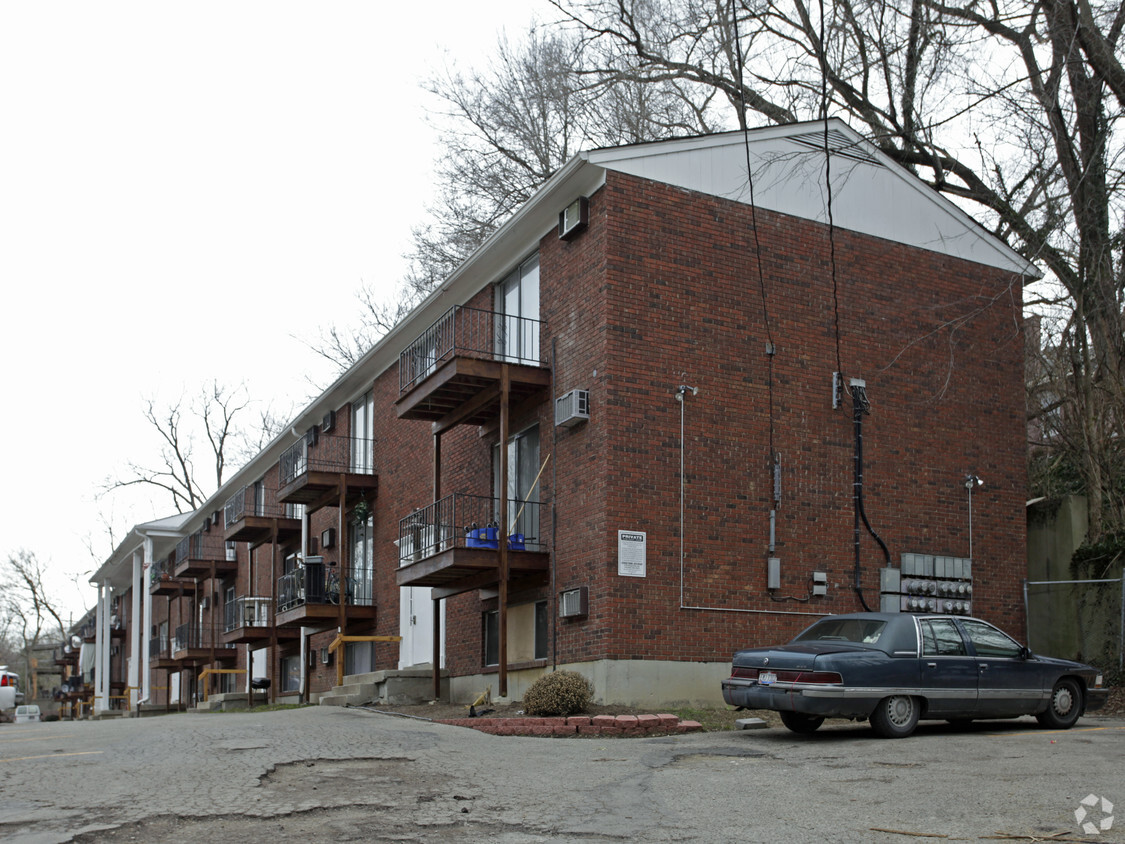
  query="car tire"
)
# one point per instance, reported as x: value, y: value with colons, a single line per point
x: 1064, y: 707
x: 799, y: 722
x: 896, y: 716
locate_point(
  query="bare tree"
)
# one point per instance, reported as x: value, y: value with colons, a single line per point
x: 1002, y: 106
x: 212, y: 417
x: 29, y: 612
x: 504, y: 130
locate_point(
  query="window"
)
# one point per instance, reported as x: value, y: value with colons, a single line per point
x: 527, y: 634
x: 517, y: 301
x: 492, y: 638
x: 256, y: 506
x: 359, y: 658
x: 523, y: 467
x: 362, y: 560
x: 363, y: 433
x: 291, y: 673
x: 940, y: 637
x: 988, y: 641
x: 541, y: 630
x: 844, y: 630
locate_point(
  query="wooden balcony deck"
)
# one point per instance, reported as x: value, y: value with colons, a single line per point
x: 258, y: 530
x: 258, y: 633
x: 317, y: 489
x: 172, y: 586
x: 466, y: 390
x: 322, y: 615
x: 459, y: 569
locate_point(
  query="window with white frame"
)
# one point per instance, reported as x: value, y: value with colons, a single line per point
x: 517, y: 301
x: 363, y: 433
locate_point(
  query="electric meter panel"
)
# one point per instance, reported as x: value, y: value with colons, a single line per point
x: 935, y: 584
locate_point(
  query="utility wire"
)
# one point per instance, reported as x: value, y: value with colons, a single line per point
x: 771, y: 349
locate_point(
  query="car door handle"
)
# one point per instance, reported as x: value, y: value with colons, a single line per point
x: 931, y: 665
x: 984, y: 666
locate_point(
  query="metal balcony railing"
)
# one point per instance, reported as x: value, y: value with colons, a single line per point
x: 326, y: 454
x: 473, y: 333
x: 158, y: 647
x: 189, y: 636
x: 254, y: 500
x: 158, y: 569
x: 315, y: 583
x: 201, y: 546
x: 247, y: 612
x: 468, y: 521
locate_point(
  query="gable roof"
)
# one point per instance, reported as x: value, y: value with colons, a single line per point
x: 871, y: 193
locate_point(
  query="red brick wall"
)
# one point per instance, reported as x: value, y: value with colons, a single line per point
x: 936, y: 339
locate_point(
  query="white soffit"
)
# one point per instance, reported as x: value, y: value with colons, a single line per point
x: 870, y: 193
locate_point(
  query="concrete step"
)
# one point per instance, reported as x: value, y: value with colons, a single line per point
x: 393, y: 686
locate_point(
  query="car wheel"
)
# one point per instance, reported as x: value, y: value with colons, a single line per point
x: 799, y: 722
x: 1065, y: 706
x: 895, y: 716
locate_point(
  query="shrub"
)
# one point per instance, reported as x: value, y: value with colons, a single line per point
x: 558, y: 693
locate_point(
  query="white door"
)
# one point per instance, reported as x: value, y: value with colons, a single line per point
x: 416, y: 626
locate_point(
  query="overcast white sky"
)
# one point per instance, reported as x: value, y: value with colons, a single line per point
x: 183, y: 187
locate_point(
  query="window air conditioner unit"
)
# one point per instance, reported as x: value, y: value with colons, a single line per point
x: 574, y: 218
x: 325, y: 656
x: 232, y: 553
x: 311, y: 436
x: 328, y: 538
x: 574, y: 603
x: 207, y: 524
x: 329, y: 421
x: 572, y: 408
x: 205, y: 601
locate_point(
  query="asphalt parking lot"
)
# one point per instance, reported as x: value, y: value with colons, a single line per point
x: 328, y: 774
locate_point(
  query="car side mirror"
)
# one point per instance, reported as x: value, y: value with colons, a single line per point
x: 1025, y: 652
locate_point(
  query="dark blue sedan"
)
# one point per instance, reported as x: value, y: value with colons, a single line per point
x: 897, y: 668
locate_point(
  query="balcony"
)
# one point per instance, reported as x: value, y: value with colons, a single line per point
x: 250, y: 619
x: 160, y: 653
x: 310, y: 596
x: 162, y: 582
x: 253, y: 515
x: 453, y: 544
x: 451, y: 375
x: 192, y: 647
x: 204, y: 554
x: 315, y: 470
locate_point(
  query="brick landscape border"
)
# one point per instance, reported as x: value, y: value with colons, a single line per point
x: 579, y: 725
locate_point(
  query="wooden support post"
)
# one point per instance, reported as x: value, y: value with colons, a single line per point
x: 272, y: 662
x: 345, y: 563
x: 502, y: 632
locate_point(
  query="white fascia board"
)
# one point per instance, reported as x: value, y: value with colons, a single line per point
x: 871, y: 193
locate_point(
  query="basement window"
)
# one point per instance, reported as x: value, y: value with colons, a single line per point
x: 527, y: 634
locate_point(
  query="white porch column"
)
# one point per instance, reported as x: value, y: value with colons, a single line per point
x: 101, y: 634
x: 146, y: 673
x: 137, y: 657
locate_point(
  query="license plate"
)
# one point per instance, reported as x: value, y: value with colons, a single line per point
x: 767, y: 678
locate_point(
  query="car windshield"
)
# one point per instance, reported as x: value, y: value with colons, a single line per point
x: 862, y: 631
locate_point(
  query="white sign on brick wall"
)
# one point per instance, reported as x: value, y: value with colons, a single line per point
x: 631, y: 553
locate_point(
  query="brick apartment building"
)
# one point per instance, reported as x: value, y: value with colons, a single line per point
x: 663, y: 379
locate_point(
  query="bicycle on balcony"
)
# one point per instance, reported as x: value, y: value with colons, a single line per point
x: 332, y: 587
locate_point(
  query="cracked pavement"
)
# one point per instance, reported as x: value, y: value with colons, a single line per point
x: 330, y: 774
